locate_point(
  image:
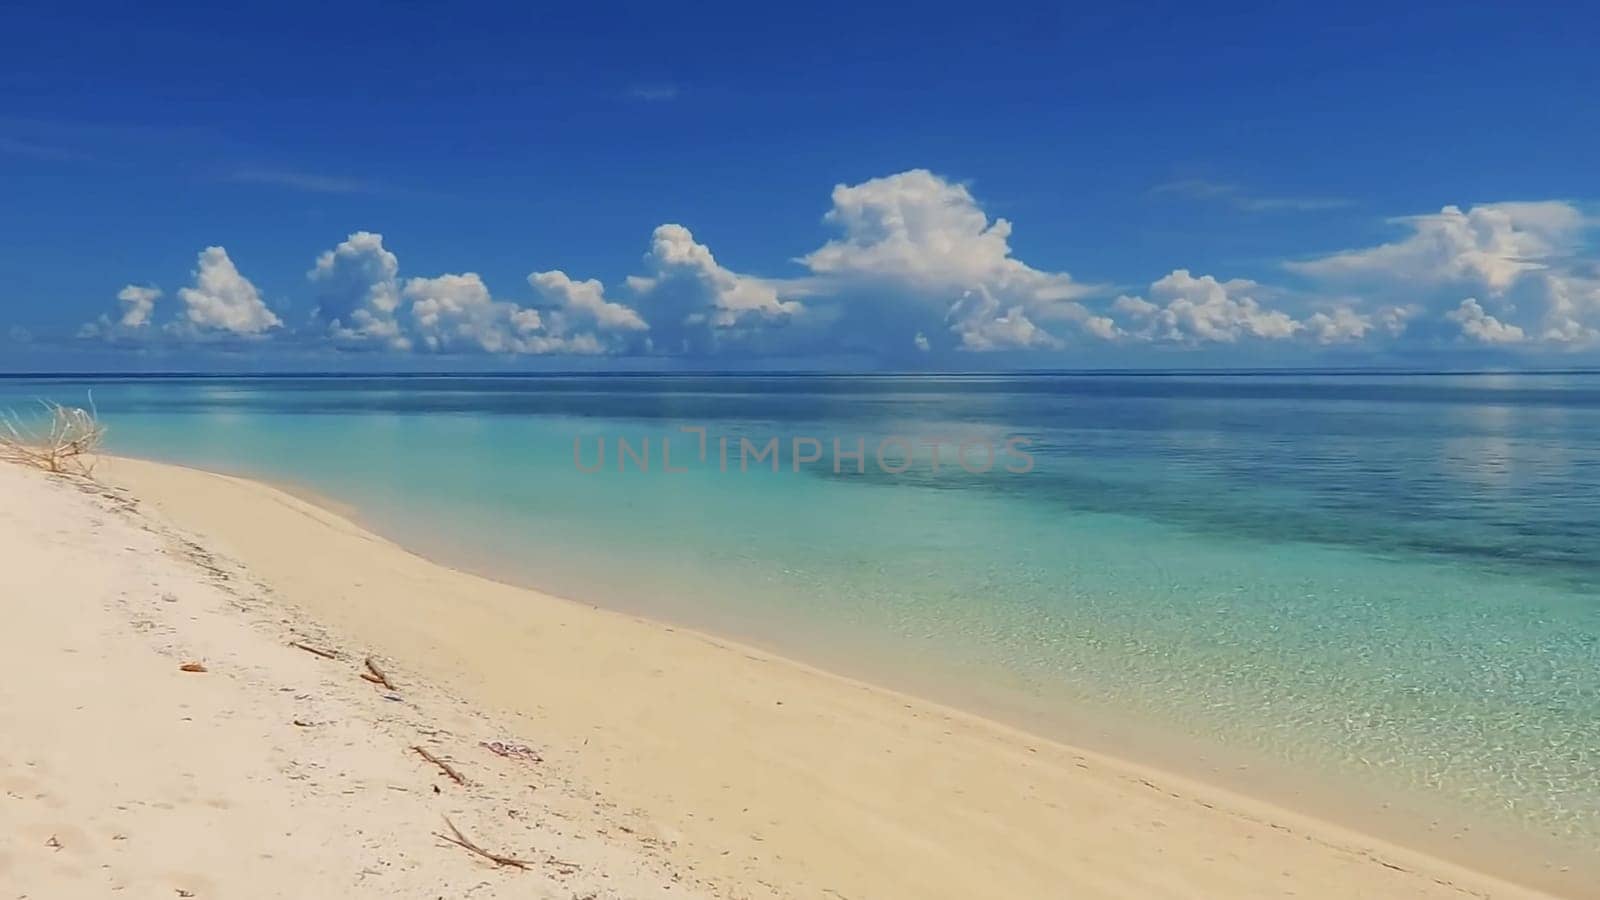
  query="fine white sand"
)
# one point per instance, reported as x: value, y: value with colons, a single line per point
x: 274, y: 773
x: 674, y: 764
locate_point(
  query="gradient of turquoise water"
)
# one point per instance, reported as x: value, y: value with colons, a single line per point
x: 1389, y: 577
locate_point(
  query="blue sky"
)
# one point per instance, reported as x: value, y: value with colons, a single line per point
x: 809, y: 186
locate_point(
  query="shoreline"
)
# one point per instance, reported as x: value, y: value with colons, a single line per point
x: 194, y: 500
x: 1396, y: 814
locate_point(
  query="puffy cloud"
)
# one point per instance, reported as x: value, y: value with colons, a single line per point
x: 1194, y: 310
x: 921, y: 231
x: 1344, y: 324
x: 1480, y: 326
x: 1572, y: 309
x: 733, y: 298
x: 223, y: 301
x: 1522, y: 253
x: 1490, y: 244
x: 1338, y: 326
x: 915, y: 239
x: 137, y: 304
x: 1394, y: 320
x: 1103, y: 327
x: 457, y: 314
x: 916, y: 265
x: 586, y: 301
x: 358, y: 292
x: 1186, y: 309
x: 361, y: 304
x: 982, y: 324
x: 700, y: 302
x: 360, y: 300
x: 916, y: 256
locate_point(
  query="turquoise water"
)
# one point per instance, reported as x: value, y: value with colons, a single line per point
x: 1388, y: 577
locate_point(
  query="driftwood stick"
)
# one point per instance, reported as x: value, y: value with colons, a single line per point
x: 376, y: 676
x: 325, y: 654
x: 446, y: 767
x: 461, y: 840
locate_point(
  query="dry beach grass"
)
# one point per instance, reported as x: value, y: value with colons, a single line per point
x: 64, y: 444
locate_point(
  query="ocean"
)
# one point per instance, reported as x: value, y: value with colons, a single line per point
x: 1382, y: 582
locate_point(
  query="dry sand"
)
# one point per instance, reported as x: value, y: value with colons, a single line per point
x: 674, y: 764
x: 275, y: 772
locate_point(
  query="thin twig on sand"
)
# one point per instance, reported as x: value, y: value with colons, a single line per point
x: 461, y: 840
x: 376, y: 676
x: 325, y: 654
x: 512, y: 750
x: 446, y: 767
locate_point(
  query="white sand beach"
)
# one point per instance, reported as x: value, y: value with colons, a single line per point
x: 670, y: 763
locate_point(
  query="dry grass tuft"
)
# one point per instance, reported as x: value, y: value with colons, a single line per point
x: 63, y: 444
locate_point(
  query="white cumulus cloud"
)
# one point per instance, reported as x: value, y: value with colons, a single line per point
x: 697, y: 304
x: 915, y: 239
x: 1189, y: 310
x: 919, y: 230
x: 138, y: 303
x: 223, y: 301
x: 1526, y: 254
x: 1572, y: 309
x: 982, y: 324
x: 915, y: 265
x: 457, y: 314
x: 358, y: 293
x: 1490, y: 244
x: 586, y: 301
x: 1340, y: 325
x: 1480, y: 326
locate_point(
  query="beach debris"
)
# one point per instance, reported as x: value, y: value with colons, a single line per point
x: 446, y: 767
x: 64, y: 446
x: 192, y: 667
x: 460, y: 840
x: 376, y: 676
x: 512, y: 750
x: 54, y: 843
x: 1389, y: 865
x: 325, y: 654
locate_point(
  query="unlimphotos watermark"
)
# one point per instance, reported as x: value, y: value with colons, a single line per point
x: 892, y: 454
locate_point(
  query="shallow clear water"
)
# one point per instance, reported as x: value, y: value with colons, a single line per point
x: 1389, y: 577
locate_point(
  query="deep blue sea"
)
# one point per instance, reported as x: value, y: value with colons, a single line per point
x: 1390, y: 578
